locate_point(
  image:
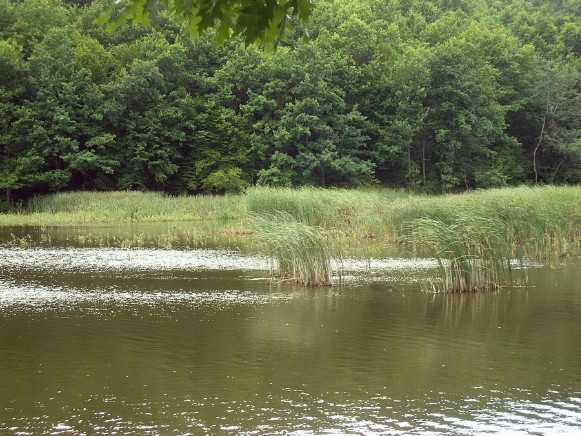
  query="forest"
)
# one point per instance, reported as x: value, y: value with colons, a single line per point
x: 431, y: 96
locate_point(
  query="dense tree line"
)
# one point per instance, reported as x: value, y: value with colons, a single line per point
x: 430, y: 95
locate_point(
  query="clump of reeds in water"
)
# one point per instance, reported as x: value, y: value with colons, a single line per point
x: 302, y: 253
x: 474, y: 254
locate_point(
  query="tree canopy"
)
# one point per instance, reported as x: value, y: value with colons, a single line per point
x: 434, y: 96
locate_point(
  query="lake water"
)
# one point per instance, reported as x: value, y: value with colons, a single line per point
x: 166, y: 341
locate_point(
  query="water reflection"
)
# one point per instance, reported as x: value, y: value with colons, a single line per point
x: 168, y: 341
x: 296, y: 411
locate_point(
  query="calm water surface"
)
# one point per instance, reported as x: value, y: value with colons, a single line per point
x: 149, y: 341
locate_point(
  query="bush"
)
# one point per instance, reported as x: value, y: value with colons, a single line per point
x: 225, y: 180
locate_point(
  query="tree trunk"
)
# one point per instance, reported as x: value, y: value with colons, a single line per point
x: 409, y: 165
x: 557, y: 169
x: 537, y: 149
x: 424, y: 160
x: 548, y: 110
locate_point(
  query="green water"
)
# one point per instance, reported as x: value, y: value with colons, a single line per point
x: 165, y: 341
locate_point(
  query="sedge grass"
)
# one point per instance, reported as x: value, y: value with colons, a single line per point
x: 302, y: 253
x: 124, y: 207
x: 474, y: 254
x: 544, y: 221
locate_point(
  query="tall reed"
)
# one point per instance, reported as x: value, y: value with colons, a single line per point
x: 475, y: 253
x: 545, y: 221
x: 302, y: 253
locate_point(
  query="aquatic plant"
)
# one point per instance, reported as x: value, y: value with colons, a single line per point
x: 302, y: 253
x: 475, y: 253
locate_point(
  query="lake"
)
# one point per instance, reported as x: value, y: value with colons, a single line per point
x: 101, y: 340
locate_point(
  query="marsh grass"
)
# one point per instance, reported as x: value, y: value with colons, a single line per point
x: 127, y: 207
x: 474, y: 254
x: 476, y: 234
x: 545, y: 222
x: 302, y: 253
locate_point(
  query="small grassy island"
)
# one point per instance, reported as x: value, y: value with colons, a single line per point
x: 476, y: 236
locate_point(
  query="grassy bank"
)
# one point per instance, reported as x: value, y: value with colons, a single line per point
x: 476, y: 235
x: 78, y: 208
x: 546, y: 221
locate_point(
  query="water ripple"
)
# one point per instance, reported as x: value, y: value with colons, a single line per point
x: 128, y: 259
x: 35, y: 297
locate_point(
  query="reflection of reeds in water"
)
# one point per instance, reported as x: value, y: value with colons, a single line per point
x: 475, y: 253
x: 302, y: 252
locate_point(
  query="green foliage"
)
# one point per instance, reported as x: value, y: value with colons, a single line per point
x: 254, y: 21
x: 225, y: 180
x: 435, y: 96
x: 33, y: 19
x: 313, y: 136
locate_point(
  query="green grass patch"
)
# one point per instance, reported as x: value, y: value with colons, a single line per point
x: 72, y: 208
